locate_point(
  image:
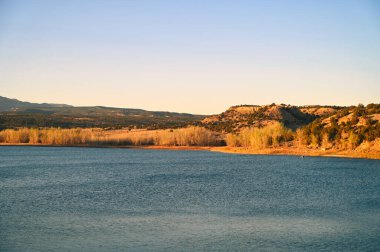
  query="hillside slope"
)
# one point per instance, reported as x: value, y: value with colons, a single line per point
x: 346, y: 128
x: 239, y: 117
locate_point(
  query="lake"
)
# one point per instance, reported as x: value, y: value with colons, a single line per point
x: 103, y: 199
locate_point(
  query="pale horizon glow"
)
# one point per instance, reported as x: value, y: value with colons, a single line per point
x: 190, y: 56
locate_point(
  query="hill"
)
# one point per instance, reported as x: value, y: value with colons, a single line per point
x: 239, y: 117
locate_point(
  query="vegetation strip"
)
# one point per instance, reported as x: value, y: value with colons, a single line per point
x: 272, y: 129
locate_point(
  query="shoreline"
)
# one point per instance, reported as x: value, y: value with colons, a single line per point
x: 287, y: 151
x: 294, y: 151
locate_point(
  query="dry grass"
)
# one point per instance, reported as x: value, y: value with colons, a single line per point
x: 191, y: 136
x: 257, y: 138
x: 54, y: 136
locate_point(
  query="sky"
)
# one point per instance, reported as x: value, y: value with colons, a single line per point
x: 190, y: 56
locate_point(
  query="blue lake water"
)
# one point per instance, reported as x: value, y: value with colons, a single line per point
x: 95, y: 199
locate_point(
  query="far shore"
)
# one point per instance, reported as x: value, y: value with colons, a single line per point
x: 291, y: 151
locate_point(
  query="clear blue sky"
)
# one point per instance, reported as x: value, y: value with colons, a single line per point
x: 190, y: 56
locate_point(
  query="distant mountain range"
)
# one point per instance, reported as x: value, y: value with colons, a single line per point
x: 7, y: 105
x: 15, y: 113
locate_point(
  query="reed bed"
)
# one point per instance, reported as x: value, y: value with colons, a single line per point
x: 257, y: 138
x: 190, y: 136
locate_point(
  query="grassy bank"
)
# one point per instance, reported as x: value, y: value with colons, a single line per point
x: 273, y: 139
x: 190, y: 136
